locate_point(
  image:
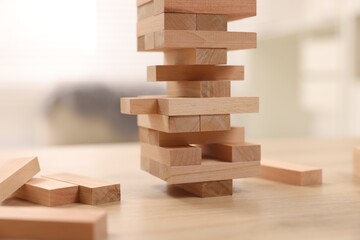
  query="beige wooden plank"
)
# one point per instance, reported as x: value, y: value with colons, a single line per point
x: 166, y: 21
x: 294, y: 174
x: 142, y: 2
x: 92, y: 191
x: 170, y: 124
x: 211, y: 22
x: 201, y: 89
x: 209, y: 170
x: 215, y: 122
x: 233, y: 152
x: 139, y: 105
x: 189, y: 56
x: 52, y: 224
x: 48, y: 192
x: 16, y: 172
x: 172, y: 156
x: 145, y: 10
x: 356, y: 162
x: 194, y: 73
x: 209, y: 189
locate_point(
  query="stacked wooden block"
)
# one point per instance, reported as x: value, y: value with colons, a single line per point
x: 186, y: 136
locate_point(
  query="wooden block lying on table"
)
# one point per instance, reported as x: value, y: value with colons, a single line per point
x: 235, y: 135
x: 233, y: 152
x: 356, y: 164
x: 50, y: 223
x: 170, y: 124
x: 91, y: 191
x: 209, y: 189
x: 215, y: 122
x: 166, y: 21
x: 209, y: 170
x: 173, y: 39
x: 233, y: 9
x: 290, y: 173
x: 48, y: 192
x: 16, y: 172
x: 172, y: 156
x: 189, y: 56
x: 211, y: 22
x: 194, y: 73
x: 201, y: 89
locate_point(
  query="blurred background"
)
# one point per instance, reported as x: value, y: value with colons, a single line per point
x: 64, y: 64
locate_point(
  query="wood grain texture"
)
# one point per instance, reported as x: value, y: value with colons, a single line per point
x: 175, y: 39
x: 139, y: 105
x: 166, y: 21
x: 191, y: 56
x: 170, y: 124
x: 48, y: 192
x: 215, y: 122
x: 289, y: 173
x: 356, y: 162
x: 209, y: 189
x: 211, y: 22
x: 16, y: 172
x: 233, y: 152
x: 145, y: 10
x: 194, y: 73
x: 200, y: 89
x: 92, y: 191
x: 52, y: 224
x: 209, y: 170
x: 172, y: 156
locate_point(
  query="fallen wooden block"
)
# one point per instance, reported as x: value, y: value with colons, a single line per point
x: 189, y: 56
x: 209, y: 189
x: 91, y: 191
x: 15, y: 173
x: 52, y: 224
x: 234, y: 135
x: 209, y: 170
x: 233, y: 152
x: 356, y: 163
x: 48, y: 192
x: 172, y: 39
x: 290, y: 173
x: 202, y: 89
x: 170, y: 124
x: 194, y: 73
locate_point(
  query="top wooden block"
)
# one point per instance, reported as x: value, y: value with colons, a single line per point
x: 234, y: 9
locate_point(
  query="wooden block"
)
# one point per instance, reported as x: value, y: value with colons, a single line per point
x: 52, y: 224
x: 233, y: 9
x: 189, y: 56
x: 145, y: 10
x: 235, y: 135
x: 200, y: 89
x: 175, y: 39
x: 209, y: 170
x: 170, y: 124
x: 209, y: 189
x: 139, y: 105
x: 172, y: 156
x: 356, y: 164
x: 290, y: 173
x: 215, y: 122
x: 211, y: 22
x: 92, y: 191
x: 166, y: 21
x: 15, y: 173
x: 142, y: 2
x: 194, y: 73
x: 48, y: 192
x: 233, y: 152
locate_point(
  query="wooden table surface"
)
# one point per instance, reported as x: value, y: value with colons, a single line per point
x: 259, y: 209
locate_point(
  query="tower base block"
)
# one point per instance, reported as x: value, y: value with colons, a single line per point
x: 209, y: 189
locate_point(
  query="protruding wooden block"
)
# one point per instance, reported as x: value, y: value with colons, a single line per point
x: 15, y: 173
x: 52, y: 224
x: 209, y: 189
x: 194, y: 73
x: 92, y: 191
x: 195, y: 56
x: 175, y: 39
x: 233, y: 152
x: 209, y: 170
x: 215, y: 122
x: 235, y: 135
x: 200, y: 89
x: 48, y: 192
x: 166, y: 21
x: 356, y: 164
x: 170, y: 124
x: 290, y: 173
x: 172, y: 156
x: 211, y: 22
x: 139, y: 105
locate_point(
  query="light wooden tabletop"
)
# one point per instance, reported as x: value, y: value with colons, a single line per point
x: 259, y: 209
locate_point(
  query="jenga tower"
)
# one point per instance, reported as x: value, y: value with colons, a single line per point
x: 186, y: 137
